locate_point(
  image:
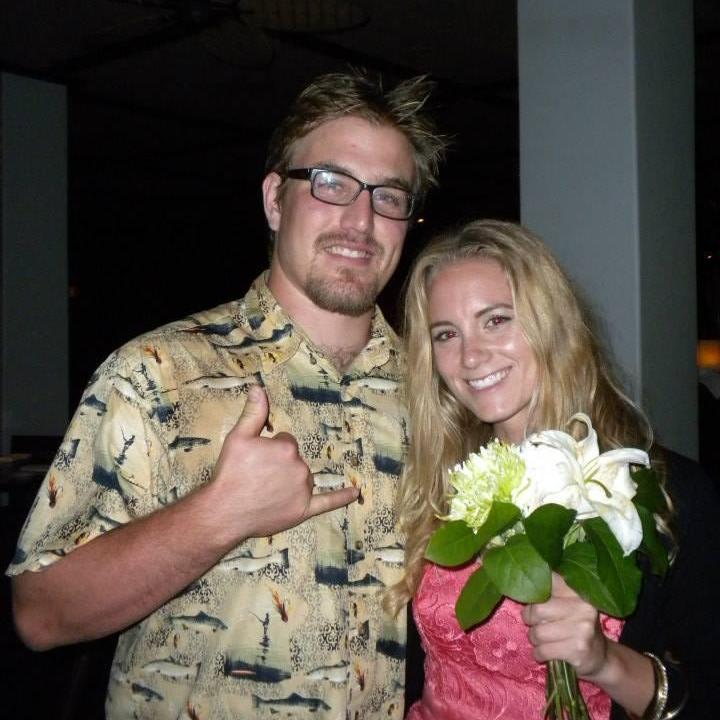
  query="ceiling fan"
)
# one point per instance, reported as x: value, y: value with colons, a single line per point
x: 235, y: 31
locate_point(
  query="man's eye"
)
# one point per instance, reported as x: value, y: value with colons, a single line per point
x: 388, y: 197
x: 392, y: 198
x: 330, y: 183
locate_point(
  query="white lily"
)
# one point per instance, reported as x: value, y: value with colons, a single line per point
x: 576, y: 475
x: 553, y: 474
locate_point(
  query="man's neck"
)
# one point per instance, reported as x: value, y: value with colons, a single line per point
x: 341, y: 357
x: 340, y: 337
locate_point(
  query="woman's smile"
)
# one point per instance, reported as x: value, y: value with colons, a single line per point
x: 479, y: 347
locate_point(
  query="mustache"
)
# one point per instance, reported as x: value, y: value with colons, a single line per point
x: 327, y: 239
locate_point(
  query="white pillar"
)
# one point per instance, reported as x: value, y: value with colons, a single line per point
x: 33, y: 242
x: 607, y: 179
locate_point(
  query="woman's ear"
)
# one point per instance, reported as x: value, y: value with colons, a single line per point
x: 271, y: 199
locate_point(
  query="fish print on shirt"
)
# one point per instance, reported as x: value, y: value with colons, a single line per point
x: 288, y: 625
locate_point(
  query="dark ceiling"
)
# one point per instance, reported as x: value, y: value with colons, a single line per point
x: 171, y: 104
x: 183, y: 93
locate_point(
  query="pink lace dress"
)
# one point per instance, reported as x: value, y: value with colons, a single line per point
x: 489, y: 672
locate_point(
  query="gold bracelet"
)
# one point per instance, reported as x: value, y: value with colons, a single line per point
x: 656, y: 708
x: 675, y: 665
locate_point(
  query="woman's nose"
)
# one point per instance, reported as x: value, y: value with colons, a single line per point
x: 473, y: 353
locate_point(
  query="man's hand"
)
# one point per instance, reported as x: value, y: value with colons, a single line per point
x: 264, y: 481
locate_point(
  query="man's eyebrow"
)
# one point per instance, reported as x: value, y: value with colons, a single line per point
x: 398, y: 182
x: 479, y: 313
x: 329, y: 165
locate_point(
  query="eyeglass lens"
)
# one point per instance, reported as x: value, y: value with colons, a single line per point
x: 340, y: 189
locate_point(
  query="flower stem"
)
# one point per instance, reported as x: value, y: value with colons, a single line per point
x: 564, y: 700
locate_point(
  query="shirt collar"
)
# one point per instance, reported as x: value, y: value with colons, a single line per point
x: 275, y: 334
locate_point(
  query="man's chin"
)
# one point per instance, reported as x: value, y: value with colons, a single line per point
x: 343, y: 297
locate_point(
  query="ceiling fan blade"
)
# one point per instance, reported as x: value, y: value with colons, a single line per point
x: 302, y: 16
x: 118, y: 45
x: 129, y: 29
x: 160, y: 23
x: 238, y: 44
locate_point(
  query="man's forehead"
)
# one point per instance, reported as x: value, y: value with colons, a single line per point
x: 374, y: 151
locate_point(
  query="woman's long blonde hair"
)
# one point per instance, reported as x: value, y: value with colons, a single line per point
x: 574, y: 375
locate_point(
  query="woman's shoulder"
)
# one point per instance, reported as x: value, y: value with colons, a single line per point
x: 695, y: 497
x: 688, y: 482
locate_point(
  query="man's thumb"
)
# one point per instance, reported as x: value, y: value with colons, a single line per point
x: 254, y: 414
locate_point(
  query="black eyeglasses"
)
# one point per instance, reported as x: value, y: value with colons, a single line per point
x: 339, y: 188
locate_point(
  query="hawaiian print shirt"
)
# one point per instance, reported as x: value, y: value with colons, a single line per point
x: 288, y: 625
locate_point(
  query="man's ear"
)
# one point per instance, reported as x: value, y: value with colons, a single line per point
x: 271, y: 199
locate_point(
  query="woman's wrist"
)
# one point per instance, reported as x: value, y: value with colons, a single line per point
x: 670, y: 692
x: 656, y: 709
x: 627, y: 676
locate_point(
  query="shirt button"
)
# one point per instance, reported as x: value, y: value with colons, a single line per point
x: 358, y: 544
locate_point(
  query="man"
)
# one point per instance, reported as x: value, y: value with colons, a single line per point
x: 244, y: 559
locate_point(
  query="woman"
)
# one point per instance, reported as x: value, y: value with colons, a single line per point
x: 500, y: 347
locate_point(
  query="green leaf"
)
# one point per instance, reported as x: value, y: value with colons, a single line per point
x: 649, y: 495
x: 518, y: 570
x: 620, y: 575
x: 546, y: 528
x: 651, y: 544
x: 502, y: 515
x: 579, y: 570
x: 452, y: 544
x: 477, y: 600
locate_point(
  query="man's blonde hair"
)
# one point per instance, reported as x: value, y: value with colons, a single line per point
x: 359, y: 94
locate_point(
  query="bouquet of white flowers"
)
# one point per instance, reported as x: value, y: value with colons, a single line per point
x: 552, y: 504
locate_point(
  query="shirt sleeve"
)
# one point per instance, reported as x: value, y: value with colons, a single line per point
x: 107, y: 471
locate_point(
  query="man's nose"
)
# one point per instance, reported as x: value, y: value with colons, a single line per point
x: 359, y: 215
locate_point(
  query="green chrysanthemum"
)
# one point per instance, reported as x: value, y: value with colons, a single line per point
x: 492, y: 474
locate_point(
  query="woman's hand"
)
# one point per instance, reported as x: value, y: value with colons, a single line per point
x: 565, y: 627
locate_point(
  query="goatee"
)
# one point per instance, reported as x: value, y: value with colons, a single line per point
x: 344, y: 294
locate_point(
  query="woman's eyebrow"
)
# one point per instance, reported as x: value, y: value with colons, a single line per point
x: 479, y: 313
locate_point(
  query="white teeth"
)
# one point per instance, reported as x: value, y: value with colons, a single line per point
x: 488, y: 380
x: 348, y: 252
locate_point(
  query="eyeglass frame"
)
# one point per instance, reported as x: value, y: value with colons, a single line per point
x: 310, y: 173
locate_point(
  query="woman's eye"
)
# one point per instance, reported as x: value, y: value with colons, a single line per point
x: 497, y: 320
x: 443, y: 335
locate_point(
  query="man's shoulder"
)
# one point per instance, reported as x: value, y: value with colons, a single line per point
x: 222, y: 325
x: 200, y: 328
x: 180, y: 350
